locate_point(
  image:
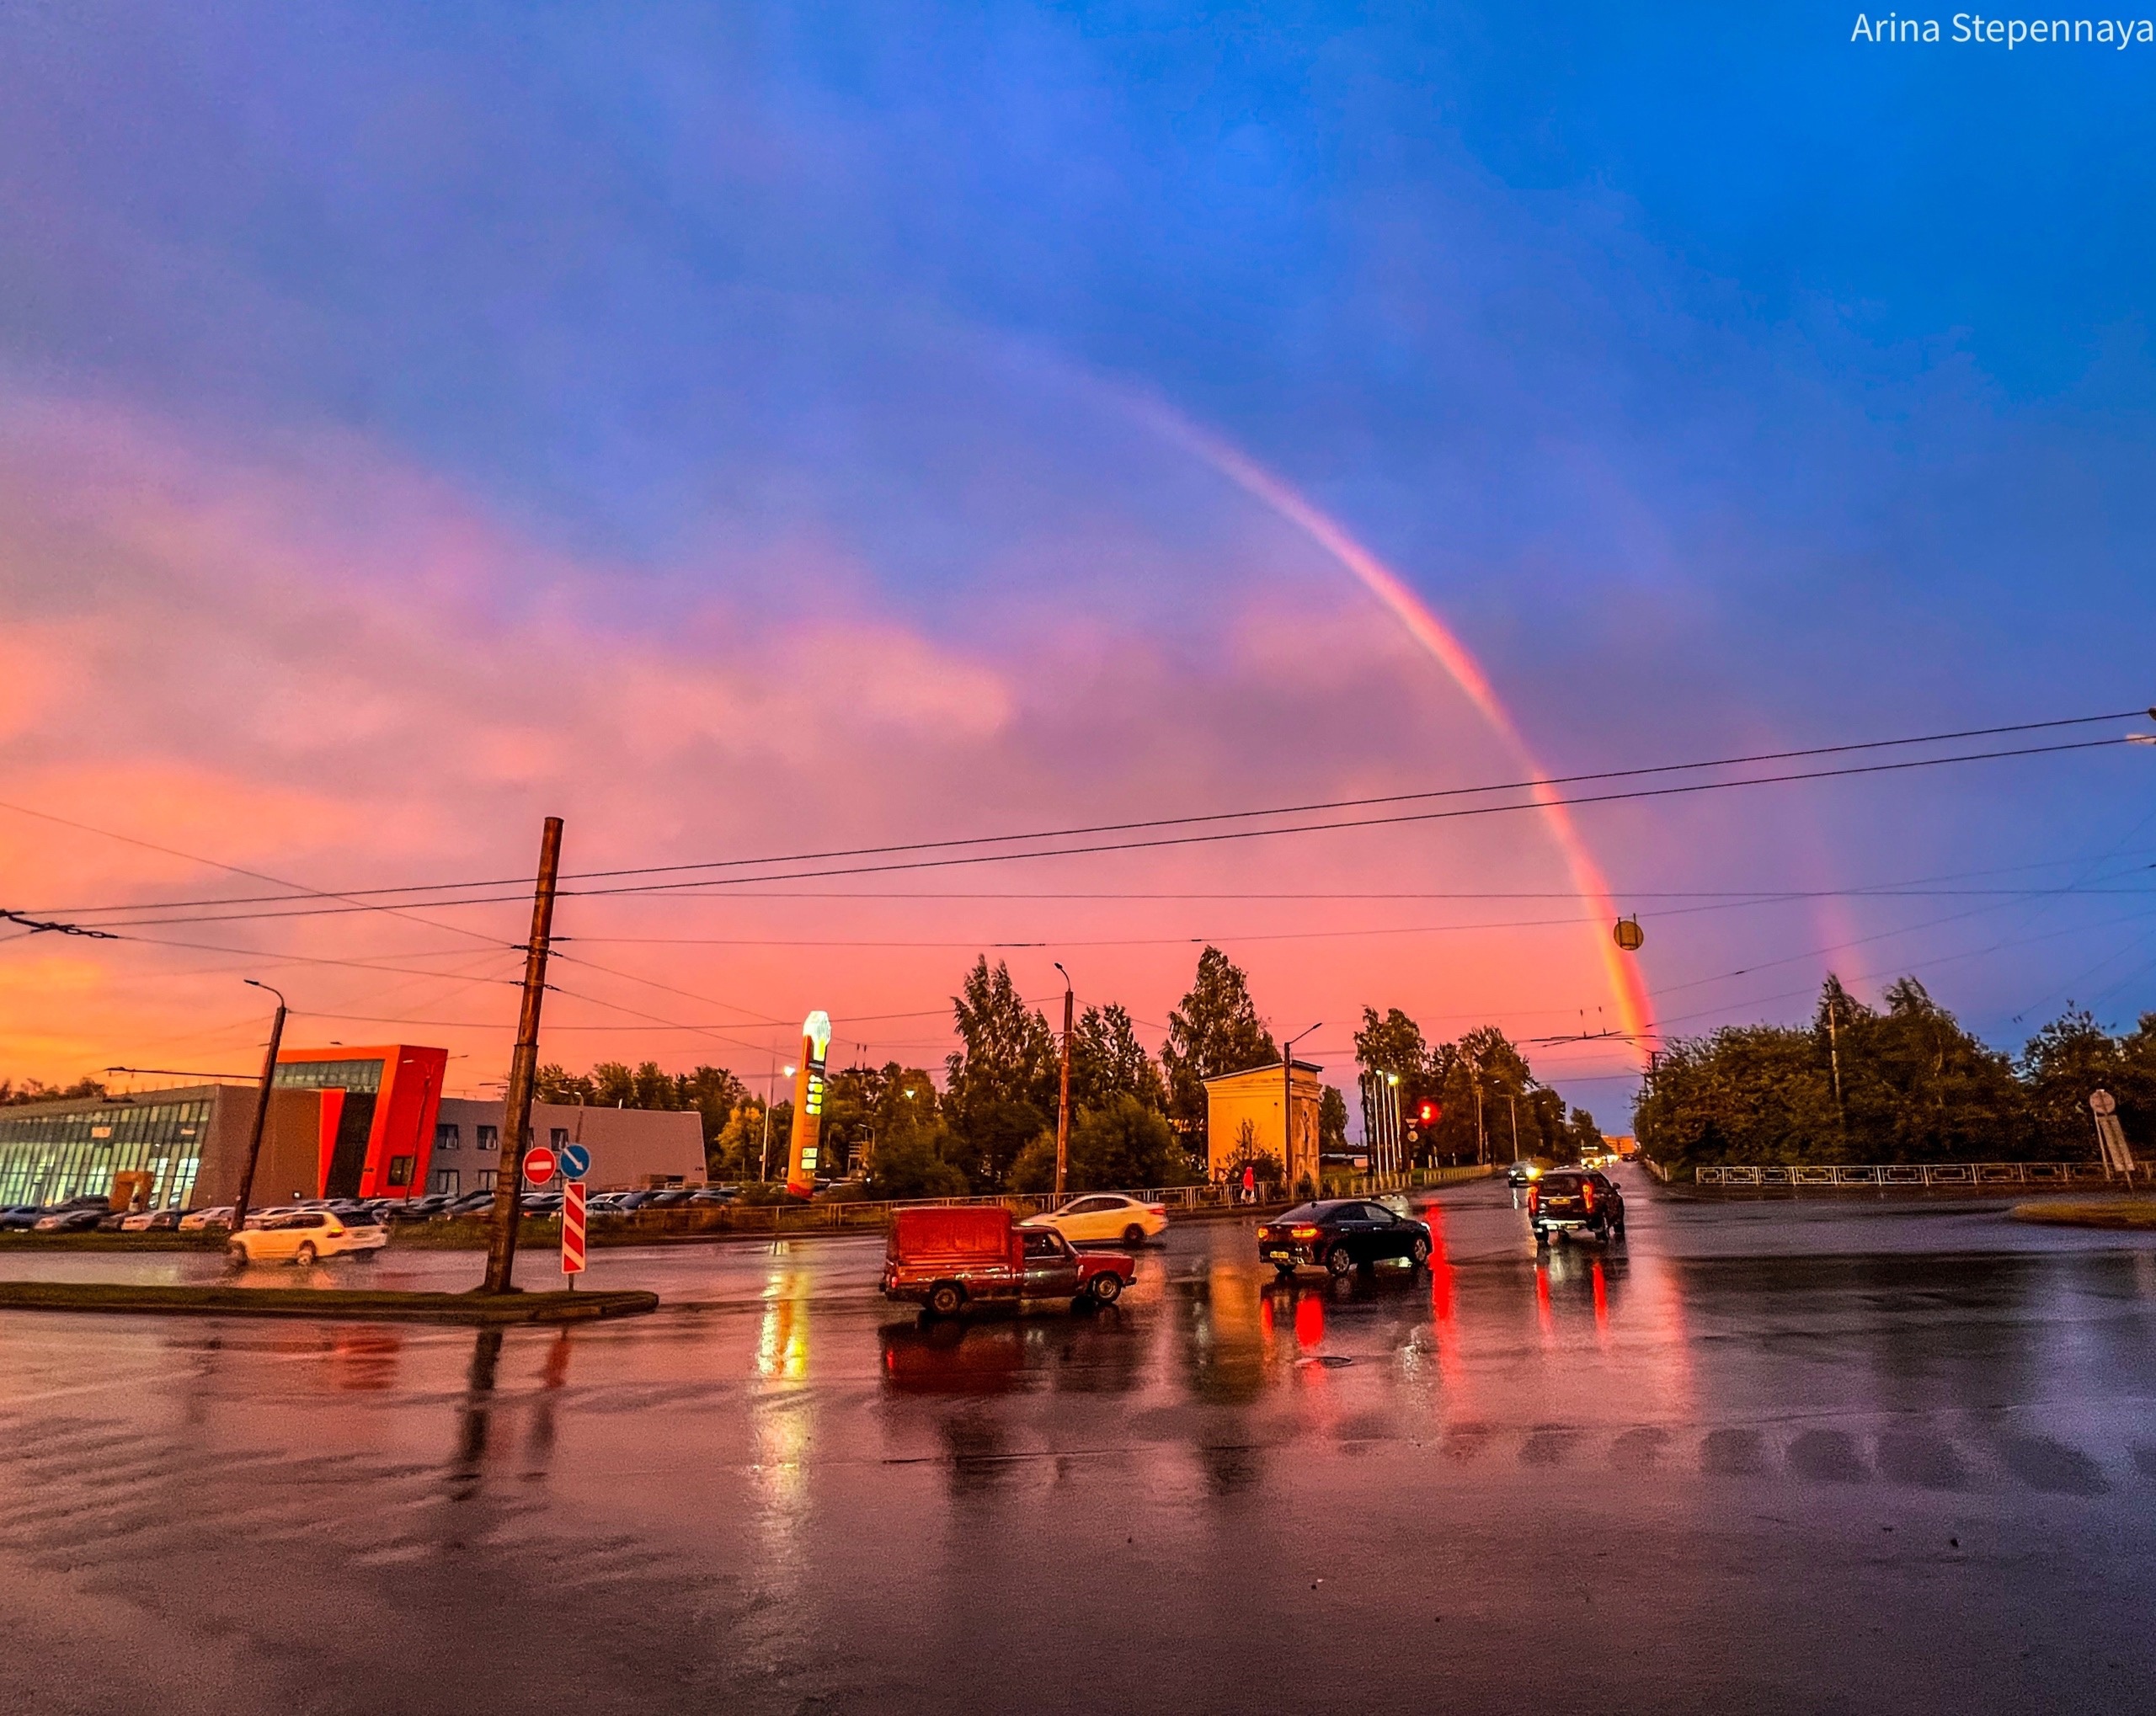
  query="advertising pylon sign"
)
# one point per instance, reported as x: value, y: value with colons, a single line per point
x: 808, y: 1104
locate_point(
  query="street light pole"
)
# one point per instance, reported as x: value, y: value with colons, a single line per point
x: 771, y: 1095
x: 1288, y: 1108
x: 261, y: 1109
x: 1062, y: 1102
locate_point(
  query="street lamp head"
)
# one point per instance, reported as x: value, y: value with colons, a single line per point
x: 790, y: 1071
x: 1066, y: 975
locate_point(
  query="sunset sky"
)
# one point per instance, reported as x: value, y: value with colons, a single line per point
x: 745, y: 430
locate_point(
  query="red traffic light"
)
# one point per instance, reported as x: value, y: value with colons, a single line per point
x: 1427, y: 1113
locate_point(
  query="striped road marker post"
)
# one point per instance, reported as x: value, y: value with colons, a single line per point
x: 573, y: 1229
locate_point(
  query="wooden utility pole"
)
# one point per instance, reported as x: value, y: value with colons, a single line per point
x: 261, y: 1111
x: 1062, y: 1102
x: 523, y: 1068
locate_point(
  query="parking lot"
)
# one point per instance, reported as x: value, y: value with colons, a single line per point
x: 1769, y: 1456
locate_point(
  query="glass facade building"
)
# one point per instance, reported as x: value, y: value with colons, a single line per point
x: 47, y: 1158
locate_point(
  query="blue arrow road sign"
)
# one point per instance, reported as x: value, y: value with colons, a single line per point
x: 576, y: 1161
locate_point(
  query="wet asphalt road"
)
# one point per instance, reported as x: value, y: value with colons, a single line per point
x: 1769, y: 1456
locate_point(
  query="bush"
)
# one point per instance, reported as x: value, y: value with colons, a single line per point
x: 1121, y: 1146
x: 910, y: 1164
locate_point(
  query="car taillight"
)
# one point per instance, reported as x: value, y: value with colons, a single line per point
x: 1302, y: 1233
x: 1588, y: 1190
x: 1158, y: 1209
x: 1533, y: 1198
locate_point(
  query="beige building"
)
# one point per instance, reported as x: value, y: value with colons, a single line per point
x: 631, y: 1149
x: 1244, y: 1118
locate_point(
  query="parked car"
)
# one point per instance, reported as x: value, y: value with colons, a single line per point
x: 71, y: 1221
x: 20, y: 1218
x: 1104, y: 1215
x: 713, y: 1197
x: 538, y: 1206
x: 197, y: 1221
x: 417, y: 1209
x: 947, y: 1257
x: 302, y: 1237
x: 673, y: 1198
x: 1342, y: 1235
x: 151, y: 1221
x: 1574, y: 1199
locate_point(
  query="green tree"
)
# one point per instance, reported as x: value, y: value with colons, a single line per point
x: 2062, y: 1065
x: 1002, y: 1076
x: 911, y: 1159
x: 1216, y: 1031
x: 1107, y: 1061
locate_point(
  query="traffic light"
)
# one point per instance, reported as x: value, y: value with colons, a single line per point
x: 1427, y: 1114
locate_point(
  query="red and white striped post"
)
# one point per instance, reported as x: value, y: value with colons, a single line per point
x: 572, y: 1230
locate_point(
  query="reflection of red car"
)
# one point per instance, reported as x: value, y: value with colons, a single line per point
x: 946, y: 1258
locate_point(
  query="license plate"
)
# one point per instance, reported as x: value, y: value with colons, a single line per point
x: 1280, y: 1256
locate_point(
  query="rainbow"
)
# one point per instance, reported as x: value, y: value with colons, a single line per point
x: 1634, y: 1004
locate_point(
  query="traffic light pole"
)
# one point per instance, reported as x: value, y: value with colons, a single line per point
x: 523, y: 1067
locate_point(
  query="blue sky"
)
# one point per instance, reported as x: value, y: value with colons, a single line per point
x: 1721, y: 379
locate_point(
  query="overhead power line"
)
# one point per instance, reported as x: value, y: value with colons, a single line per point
x: 351, y: 900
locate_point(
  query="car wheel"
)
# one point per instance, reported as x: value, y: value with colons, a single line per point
x: 945, y: 1299
x: 1106, y: 1288
x: 1133, y: 1235
x: 304, y: 1257
x: 1339, y: 1260
x: 236, y: 1256
x: 1542, y: 1238
x: 368, y: 1256
x: 1418, y: 1252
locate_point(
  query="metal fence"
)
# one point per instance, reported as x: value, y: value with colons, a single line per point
x: 1910, y: 1173
x: 826, y: 1213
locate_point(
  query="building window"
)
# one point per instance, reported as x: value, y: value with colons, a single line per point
x: 489, y: 1137
x: 484, y: 1179
x: 443, y: 1182
x: 400, y: 1169
x: 559, y: 1138
x: 446, y: 1136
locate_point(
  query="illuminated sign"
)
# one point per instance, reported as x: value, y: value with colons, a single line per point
x: 808, y: 1104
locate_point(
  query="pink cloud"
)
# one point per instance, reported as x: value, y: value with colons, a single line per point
x: 329, y: 668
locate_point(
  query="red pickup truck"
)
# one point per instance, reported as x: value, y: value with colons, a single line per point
x: 947, y: 1257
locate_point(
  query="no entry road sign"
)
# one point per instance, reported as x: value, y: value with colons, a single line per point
x: 572, y: 1226
x: 540, y: 1165
x: 576, y: 1161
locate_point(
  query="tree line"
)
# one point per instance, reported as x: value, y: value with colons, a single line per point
x: 1902, y: 1082
x: 1138, y: 1119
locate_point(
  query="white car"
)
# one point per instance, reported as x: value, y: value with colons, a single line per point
x: 194, y: 1221
x: 1104, y: 1216
x: 302, y: 1237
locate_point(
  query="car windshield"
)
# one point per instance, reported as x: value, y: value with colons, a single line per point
x: 1307, y: 1212
x: 1561, y: 1182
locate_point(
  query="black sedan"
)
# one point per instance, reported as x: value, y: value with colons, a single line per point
x: 1342, y: 1233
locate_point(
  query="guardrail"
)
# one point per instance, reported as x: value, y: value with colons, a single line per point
x: 1799, y: 1175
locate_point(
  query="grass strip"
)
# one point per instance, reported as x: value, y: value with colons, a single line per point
x: 2130, y: 1212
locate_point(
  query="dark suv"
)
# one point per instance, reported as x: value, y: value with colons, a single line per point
x: 1342, y: 1233
x: 1570, y: 1200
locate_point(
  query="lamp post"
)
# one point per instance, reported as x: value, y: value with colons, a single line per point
x: 1062, y: 1101
x: 771, y: 1095
x: 261, y: 1108
x: 1288, y: 1108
